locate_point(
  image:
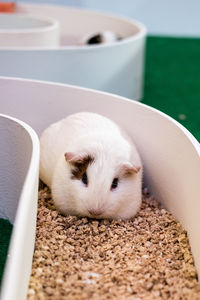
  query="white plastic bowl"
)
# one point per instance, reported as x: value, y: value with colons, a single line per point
x: 28, y: 31
x: 116, y: 67
x: 170, y: 154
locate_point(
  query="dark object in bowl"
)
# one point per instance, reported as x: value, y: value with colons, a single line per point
x: 105, y: 37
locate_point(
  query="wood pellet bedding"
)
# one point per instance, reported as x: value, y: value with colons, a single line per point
x: 147, y: 257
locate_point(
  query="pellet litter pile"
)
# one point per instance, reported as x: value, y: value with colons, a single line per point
x: 147, y: 257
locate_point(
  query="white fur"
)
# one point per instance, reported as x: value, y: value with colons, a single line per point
x: 109, y: 37
x: 98, y: 136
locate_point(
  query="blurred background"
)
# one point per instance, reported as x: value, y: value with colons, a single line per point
x: 172, y: 62
x: 166, y: 17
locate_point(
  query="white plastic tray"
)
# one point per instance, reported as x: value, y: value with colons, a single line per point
x: 19, y: 166
x: 116, y: 68
x: 171, y: 155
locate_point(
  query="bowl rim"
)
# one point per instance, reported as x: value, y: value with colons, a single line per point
x: 142, y: 32
x: 48, y: 24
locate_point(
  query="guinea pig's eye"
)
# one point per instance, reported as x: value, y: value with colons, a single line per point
x: 84, y: 178
x: 114, y: 183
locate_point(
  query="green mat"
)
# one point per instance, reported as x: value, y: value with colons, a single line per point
x: 172, y: 85
x: 5, y: 233
x: 172, y: 79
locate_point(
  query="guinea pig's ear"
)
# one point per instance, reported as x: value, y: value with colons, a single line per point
x: 127, y: 169
x: 73, y: 157
x: 82, y: 158
x: 79, y: 163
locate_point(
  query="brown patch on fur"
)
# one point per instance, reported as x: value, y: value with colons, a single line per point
x: 80, y: 167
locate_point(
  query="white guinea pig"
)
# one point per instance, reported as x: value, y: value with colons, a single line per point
x: 92, y: 167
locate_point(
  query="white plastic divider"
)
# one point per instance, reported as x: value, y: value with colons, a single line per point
x: 170, y: 154
x: 115, y: 68
x: 28, y: 31
x: 19, y: 165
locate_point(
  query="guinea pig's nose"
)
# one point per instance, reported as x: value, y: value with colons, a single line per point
x: 95, y: 212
